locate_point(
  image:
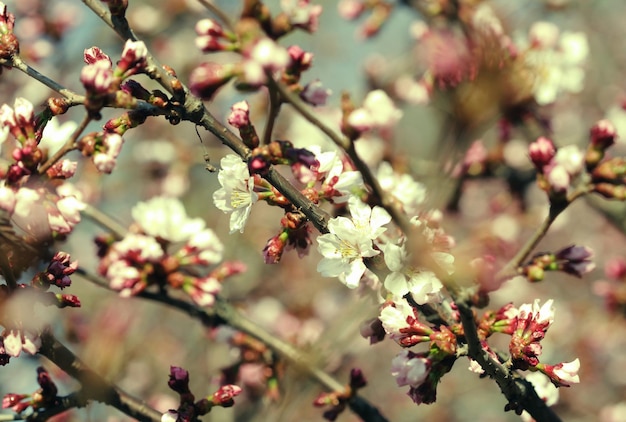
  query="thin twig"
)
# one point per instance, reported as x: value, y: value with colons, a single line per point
x: 94, y: 387
x: 104, y: 221
x: 69, y: 145
x: 218, y: 14
x: 275, y: 104
x: 72, y: 97
x: 224, y: 313
x: 511, y: 268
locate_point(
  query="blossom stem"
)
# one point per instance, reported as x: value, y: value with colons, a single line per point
x: 511, y: 268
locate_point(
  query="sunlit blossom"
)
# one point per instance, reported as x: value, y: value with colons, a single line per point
x: 237, y: 193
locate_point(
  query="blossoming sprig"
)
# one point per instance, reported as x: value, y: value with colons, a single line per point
x: 144, y: 257
x: 338, y: 400
x: 558, y: 169
x: 189, y: 409
x: 574, y: 260
x: 44, y: 398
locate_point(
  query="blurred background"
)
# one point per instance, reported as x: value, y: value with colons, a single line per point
x: 133, y: 342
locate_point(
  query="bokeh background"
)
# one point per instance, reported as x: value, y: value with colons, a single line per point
x: 133, y: 342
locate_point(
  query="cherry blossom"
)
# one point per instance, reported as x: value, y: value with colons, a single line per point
x: 349, y: 241
x: 237, y: 193
x: 167, y: 219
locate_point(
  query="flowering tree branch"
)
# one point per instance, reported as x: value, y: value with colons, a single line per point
x: 519, y: 393
x: 224, y: 313
x: 94, y: 387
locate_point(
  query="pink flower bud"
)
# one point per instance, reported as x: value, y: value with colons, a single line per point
x: 209, y: 27
x: 541, y: 152
x: 134, y: 58
x: 94, y: 54
x: 274, y: 248
x: 207, y: 78
x: 603, y: 134
x: 240, y: 115
x: 225, y: 395
x: 97, y: 77
x: 315, y: 94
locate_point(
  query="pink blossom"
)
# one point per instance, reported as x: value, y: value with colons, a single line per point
x: 97, y: 77
x: 94, y: 54
x: 409, y: 369
x: 240, y: 114
x: 541, y: 152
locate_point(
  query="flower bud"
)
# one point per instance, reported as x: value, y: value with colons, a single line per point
x: 603, y: 134
x: 207, y: 78
x: 94, y: 54
x: 541, y: 152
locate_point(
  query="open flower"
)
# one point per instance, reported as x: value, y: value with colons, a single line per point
x: 237, y: 193
x: 166, y: 218
x: 349, y: 241
x: 423, y: 285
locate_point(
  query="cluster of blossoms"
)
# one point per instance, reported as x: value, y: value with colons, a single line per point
x: 255, y: 39
x: 106, y: 85
x: 189, y: 409
x: 148, y: 254
x: 422, y: 371
x: 25, y: 197
x: 18, y: 335
x: 557, y: 60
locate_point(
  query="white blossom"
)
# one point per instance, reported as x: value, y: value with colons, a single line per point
x: 349, y: 241
x: 423, y: 285
x: 403, y: 187
x: 237, y: 193
x: 409, y: 370
x: 166, y: 218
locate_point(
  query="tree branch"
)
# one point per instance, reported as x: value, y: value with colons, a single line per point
x: 94, y: 387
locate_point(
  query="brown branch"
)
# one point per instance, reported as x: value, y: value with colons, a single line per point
x: 93, y: 386
x: 223, y: 313
x: 519, y: 392
x: 73, y: 98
